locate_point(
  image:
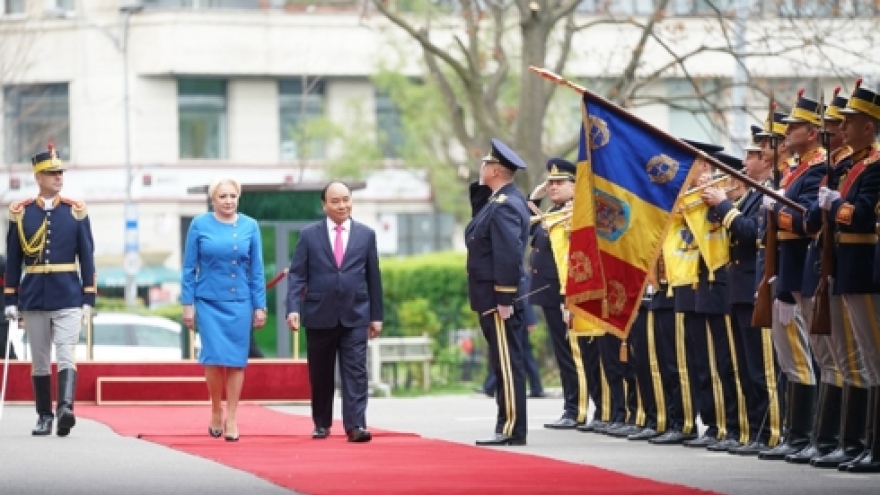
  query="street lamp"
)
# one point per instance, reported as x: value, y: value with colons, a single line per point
x: 132, y: 259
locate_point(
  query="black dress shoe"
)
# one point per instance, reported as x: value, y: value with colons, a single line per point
x: 645, y: 434
x: 591, y: 426
x: 623, y: 431
x: 701, y: 443
x: 538, y: 395
x: 562, y: 423
x: 321, y: 432
x: 672, y: 437
x: 499, y: 439
x: 724, y: 445
x: 750, y: 450
x: 604, y: 428
x: 359, y: 435
x: 44, y: 425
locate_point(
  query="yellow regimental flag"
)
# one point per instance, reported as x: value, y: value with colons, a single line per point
x: 712, y: 239
x: 680, y: 254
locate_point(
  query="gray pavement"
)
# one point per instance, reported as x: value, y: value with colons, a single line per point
x: 94, y: 460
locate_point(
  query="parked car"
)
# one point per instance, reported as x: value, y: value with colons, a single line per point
x: 125, y: 337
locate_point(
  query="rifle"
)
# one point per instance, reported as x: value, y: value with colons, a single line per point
x: 821, y: 322
x: 762, y: 316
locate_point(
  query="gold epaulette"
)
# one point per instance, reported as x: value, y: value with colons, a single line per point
x: 16, y: 210
x: 501, y: 198
x: 841, y: 154
x: 77, y: 208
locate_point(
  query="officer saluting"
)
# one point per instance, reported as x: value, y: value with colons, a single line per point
x: 496, y: 239
x: 50, y: 238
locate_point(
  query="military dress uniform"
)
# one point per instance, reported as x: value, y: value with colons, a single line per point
x: 791, y: 340
x: 49, y: 242
x: 496, y: 238
x: 546, y: 292
x: 853, y: 212
x: 642, y: 401
x: 754, y: 348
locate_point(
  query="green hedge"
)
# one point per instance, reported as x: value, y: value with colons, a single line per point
x: 438, y: 278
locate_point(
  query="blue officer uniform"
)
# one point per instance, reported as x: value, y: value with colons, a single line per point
x: 496, y: 239
x: 50, y: 275
x: 756, y: 363
x: 47, y: 245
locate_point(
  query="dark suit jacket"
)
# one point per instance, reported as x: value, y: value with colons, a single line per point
x: 325, y: 295
x: 544, y: 271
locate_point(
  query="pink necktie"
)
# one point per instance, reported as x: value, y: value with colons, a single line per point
x: 337, y: 246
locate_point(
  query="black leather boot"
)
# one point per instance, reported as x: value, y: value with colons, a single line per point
x: 852, y: 429
x: 826, y: 424
x: 43, y: 399
x: 66, y: 393
x: 869, y: 461
x: 801, y: 402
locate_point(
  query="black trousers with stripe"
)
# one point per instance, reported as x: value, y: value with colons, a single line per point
x: 572, y: 369
x: 506, y: 356
x: 643, y: 356
x: 679, y: 377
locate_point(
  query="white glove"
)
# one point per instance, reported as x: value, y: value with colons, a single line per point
x: 827, y: 197
x: 86, y: 312
x: 785, y: 311
x: 505, y: 311
x: 11, y: 312
x: 539, y: 191
x: 769, y: 201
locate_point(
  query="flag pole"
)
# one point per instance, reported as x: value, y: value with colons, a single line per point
x: 547, y: 74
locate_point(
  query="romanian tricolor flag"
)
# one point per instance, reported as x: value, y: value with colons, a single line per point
x: 629, y: 176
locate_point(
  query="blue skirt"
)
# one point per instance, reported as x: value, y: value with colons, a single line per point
x: 225, y: 330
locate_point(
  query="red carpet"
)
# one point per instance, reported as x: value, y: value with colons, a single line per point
x: 277, y: 447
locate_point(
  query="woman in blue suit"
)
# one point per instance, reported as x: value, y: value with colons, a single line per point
x: 223, y: 295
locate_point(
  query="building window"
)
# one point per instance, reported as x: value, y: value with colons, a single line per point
x: 64, y: 5
x: 389, y: 126
x: 9, y: 7
x: 201, y: 107
x: 691, y: 109
x: 622, y: 7
x: 302, y: 103
x: 211, y: 4
x: 701, y: 7
x: 33, y: 116
x: 810, y: 8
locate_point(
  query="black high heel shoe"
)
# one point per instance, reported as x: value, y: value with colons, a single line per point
x: 215, y: 433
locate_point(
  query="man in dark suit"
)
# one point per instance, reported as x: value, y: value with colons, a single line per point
x: 334, y: 289
x: 496, y: 239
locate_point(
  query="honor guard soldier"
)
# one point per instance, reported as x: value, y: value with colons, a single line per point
x: 740, y: 215
x: 851, y: 208
x: 50, y: 240
x: 642, y: 338
x: 838, y: 360
x: 546, y: 292
x: 496, y: 238
x: 791, y: 307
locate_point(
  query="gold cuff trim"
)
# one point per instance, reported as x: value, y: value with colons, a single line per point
x: 10, y: 290
x: 90, y: 290
x: 845, y: 214
x: 850, y: 238
x: 732, y: 214
x: 505, y: 288
x: 51, y: 268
